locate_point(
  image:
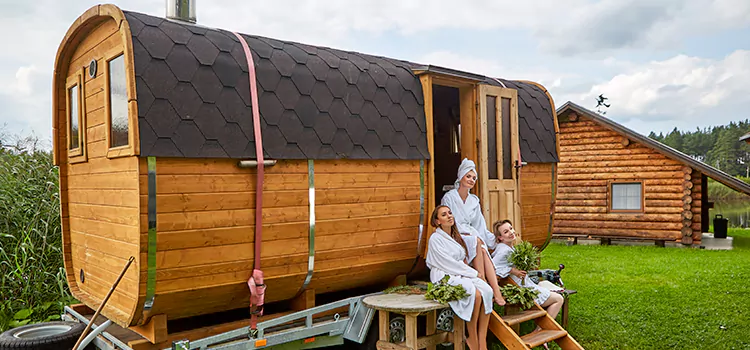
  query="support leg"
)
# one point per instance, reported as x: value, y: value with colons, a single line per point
x: 411, y: 331
x: 458, y: 333
x: 431, y: 326
x: 384, y: 326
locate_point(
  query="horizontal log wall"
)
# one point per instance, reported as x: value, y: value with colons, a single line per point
x: 367, y: 214
x: 536, y: 201
x: 99, y: 197
x: 592, y: 157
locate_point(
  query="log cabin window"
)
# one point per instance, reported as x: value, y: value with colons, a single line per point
x: 117, y: 102
x: 74, y: 114
x: 626, y: 197
x: 492, y: 137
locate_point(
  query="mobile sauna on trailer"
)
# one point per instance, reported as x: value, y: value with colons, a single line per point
x: 154, y: 135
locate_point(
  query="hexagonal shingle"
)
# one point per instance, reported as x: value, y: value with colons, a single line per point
x: 144, y: 96
x: 188, y: 138
x: 283, y: 62
x: 371, y: 144
x: 330, y: 59
x: 163, y: 118
x: 306, y: 111
x: 203, y: 49
x: 325, y: 128
x: 412, y: 132
x: 303, y: 79
x: 159, y: 78
x: 394, y: 89
x: 221, y: 40
x: 290, y: 126
x: 298, y: 55
x: 210, y: 121
x: 382, y: 101
x: 309, y: 143
x: 156, y: 42
x: 266, y: 74
x: 226, y: 69
x: 318, y: 67
x: 176, y: 32
x: 350, y: 71
x: 270, y: 108
x: 207, y: 84
x: 353, y: 99
x: 321, y: 96
x: 370, y: 116
x: 233, y: 141
x: 258, y: 46
x: 232, y: 107
x: 411, y: 106
x: 356, y: 129
x: 339, y: 113
x: 342, y: 143
x: 336, y: 83
x: 185, y: 100
x: 182, y: 63
x: 366, y: 86
x: 397, y: 117
x: 276, y: 147
x: 385, y: 131
x: 287, y: 93
x: 378, y: 75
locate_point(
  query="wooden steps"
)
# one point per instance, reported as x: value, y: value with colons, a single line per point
x: 538, y: 338
x: 523, y: 316
x: 505, y: 328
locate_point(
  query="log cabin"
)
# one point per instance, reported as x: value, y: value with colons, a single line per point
x: 155, y: 123
x: 614, y: 183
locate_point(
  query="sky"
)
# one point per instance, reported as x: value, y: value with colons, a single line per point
x: 663, y: 64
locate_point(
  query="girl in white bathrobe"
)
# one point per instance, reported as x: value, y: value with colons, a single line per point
x: 505, y: 237
x: 447, y: 255
x: 470, y: 223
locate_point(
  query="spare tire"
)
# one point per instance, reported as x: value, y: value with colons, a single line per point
x: 42, y: 336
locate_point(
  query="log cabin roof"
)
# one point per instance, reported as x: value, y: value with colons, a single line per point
x: 314, y: 102
x: 716, y: 174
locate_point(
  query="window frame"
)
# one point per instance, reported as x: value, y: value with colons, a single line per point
x: 611, y: 196
x: 127, y: 149
x: 76, y: 155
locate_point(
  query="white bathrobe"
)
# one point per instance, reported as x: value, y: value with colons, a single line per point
x: 469, y: 218
x: 446, y: 257
x: 502, y: 268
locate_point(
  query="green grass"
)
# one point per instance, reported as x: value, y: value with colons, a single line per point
x: 638, y: 297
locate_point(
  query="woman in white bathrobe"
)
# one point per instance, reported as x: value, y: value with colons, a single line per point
x: 470, y: 223
x: 447, y: 255
x: 505, y: 237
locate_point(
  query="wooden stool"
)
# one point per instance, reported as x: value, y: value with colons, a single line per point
x: 411, y: 306
x: 564, y: 312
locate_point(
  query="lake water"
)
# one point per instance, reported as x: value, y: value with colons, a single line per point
x: 738, y: 212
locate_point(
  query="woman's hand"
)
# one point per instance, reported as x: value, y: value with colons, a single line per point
x: 518, y: 273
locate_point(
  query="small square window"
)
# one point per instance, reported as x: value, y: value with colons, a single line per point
x: 626, y: 196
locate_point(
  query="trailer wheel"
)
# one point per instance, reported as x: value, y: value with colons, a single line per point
x: 42, y: 336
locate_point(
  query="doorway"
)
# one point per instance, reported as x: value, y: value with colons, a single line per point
x: 446, y: 112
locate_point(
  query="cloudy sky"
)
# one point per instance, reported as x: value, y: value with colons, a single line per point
x: 662, y: 63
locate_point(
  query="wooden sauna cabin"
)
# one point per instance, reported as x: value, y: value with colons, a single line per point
x: 614, y: 183
x: 153, y: 124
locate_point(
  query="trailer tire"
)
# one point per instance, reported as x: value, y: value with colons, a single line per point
x: 42, y: 336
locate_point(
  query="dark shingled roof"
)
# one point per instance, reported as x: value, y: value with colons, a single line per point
x: 315, y: 103
x: 716, y: 174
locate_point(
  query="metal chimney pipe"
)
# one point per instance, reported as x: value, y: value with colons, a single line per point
x: 181, y: 10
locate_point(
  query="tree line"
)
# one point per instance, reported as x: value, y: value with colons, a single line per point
x: 718, y: 146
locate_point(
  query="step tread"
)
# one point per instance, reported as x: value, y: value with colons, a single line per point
x: 541, y: 337
x: 523, y: 316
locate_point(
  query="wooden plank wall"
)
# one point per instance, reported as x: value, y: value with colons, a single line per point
x: 591, y: 156
x: 536, y: 201
x: 367, y: 213
x: 99, y: 196
x: 696, y: 207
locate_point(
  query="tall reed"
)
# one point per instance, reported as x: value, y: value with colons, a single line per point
x: 32, y: 280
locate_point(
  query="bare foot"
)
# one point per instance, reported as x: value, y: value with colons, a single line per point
x: 498, y: 297
x: 471, y: 344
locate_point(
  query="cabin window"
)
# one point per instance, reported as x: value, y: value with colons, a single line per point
x: 507, y: 150
x: 492, y: 137
x: 74, y: 119
x: 76, y: 126
x: 626, y: 196
x: 117, y: 101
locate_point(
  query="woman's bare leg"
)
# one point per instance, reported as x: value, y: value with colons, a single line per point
x: 472, y: 339
x: 552, y: 305
x: 483, y: 324
x: 489, y: 269
x: 478, y: 262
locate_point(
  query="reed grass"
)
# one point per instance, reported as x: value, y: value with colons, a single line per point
x: 32, y: 279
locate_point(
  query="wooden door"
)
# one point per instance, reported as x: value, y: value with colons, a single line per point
x: 499, y: 154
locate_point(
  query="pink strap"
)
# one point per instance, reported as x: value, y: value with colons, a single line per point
x: 255, y: 282
x: 258, y: 148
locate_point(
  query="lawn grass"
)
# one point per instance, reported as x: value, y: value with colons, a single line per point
x: 646, y: 297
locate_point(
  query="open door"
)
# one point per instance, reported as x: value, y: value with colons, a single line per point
x: 498, y: 155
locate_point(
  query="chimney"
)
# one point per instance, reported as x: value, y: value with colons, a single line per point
x: 181, y: 10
